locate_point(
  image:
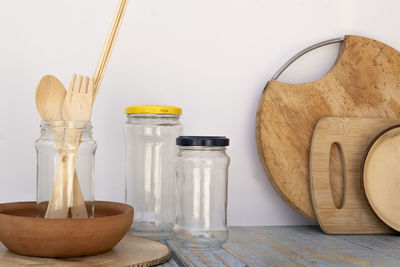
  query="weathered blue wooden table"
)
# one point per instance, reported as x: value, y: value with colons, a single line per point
x: 293, y: 246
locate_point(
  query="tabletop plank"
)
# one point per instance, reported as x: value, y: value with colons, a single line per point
x: 170, y: 263
x: 386, y: 244
x: 204, y: 258
x: 309, y: 246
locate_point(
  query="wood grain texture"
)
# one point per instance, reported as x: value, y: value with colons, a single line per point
x: 363, y: 83
x: 388, y: 245
x: 309, y: 246
x: 353, y: 135
x: 204, y: 258
x: 131, y: 251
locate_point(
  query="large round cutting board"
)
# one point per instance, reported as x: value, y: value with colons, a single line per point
x: 364, y: 82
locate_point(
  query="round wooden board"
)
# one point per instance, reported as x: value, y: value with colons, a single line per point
x: 364, y: 82
x: 380, y: 177
x: 131, y: 251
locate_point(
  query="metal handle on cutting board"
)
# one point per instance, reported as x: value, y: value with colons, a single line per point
x: 304, y: 51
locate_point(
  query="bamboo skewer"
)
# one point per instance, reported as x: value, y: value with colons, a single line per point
x: 109, y: 45
x: 108, y: 40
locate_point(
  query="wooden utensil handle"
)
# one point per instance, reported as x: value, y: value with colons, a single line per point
x: 75, y: 197
x: 78, y: 207
x: 66, y: 192
x: 58, y: 203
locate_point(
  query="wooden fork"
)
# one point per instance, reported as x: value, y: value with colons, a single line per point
x: 79, y: 99
x: 78, y: 109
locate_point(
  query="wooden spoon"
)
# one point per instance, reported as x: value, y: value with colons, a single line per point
x: 50, y: 97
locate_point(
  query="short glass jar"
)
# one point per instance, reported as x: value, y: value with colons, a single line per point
x: 150, y: 135
x: 65, y: 170
x: 202, y: 182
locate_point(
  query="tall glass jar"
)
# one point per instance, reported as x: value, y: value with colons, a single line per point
x: 150, y: 134
x: 202, y: 182
x: 65, y: 170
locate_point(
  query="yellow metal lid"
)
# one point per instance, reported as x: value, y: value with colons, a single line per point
x: 153, y: 109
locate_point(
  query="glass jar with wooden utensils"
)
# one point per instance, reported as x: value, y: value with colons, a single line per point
x: 65, y: 170
x: 57, y: 166
x: 73, y: 108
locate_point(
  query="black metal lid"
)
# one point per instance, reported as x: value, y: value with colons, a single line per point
x: 202, y: 141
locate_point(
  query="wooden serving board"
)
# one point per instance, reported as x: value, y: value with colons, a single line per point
x: 131, y: 251
x: 364, y: 82
x: 352, y: 135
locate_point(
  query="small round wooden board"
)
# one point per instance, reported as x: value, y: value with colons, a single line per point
x: 364, y: 82
x: 131, y: 251
x: 381, y: 177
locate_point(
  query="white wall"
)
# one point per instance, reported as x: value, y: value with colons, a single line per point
x: 210, y: 57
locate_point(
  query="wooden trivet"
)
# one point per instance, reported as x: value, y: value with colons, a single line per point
x: 131, y: 251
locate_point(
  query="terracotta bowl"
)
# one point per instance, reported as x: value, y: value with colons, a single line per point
x: 23, y: 233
